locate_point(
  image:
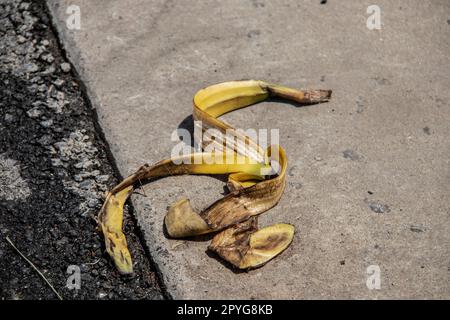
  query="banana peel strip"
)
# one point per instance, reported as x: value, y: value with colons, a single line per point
x: 252, y: 191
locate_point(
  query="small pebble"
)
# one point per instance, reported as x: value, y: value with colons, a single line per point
x: 31, y: 67
x: 34, y: 113
x: 45, y: 140
x: 83, y: 164
x: 51, y: 69
x: 102, y: 178
x: 87, y: 184
x: 56, y: 162
x: 65, y: 67
x: 46, y: 123
x: 58, y: 83
x: 21, y: 39
x: 9, y: 118
x: 378, y: 207
x: 48, y: 58
x: 24, y: 6
x: 92, y: 203
x: 94, y: 173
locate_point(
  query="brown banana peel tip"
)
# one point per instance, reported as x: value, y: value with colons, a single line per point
x: 234, y: 217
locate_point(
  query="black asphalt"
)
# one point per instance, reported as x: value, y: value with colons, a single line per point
x: 54, y: 169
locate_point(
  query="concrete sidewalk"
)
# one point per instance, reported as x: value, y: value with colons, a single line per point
x: 369, y: 172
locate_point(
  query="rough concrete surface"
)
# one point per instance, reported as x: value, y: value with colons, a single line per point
x: 369, y: 171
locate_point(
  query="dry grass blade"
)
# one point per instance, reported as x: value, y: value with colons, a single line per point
x: 34, y: 267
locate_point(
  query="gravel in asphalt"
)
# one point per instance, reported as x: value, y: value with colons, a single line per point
x: 54, y: 171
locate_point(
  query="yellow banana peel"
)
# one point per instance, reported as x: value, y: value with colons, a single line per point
x: 254, y: 189
x: 111, y: 222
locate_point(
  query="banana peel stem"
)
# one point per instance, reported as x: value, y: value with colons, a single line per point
x: 234, y: 217
x: 299, y: 96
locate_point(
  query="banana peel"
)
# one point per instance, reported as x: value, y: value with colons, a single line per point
x: 111, y: 223
x: 254, y: 186
x: 246, y: 247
